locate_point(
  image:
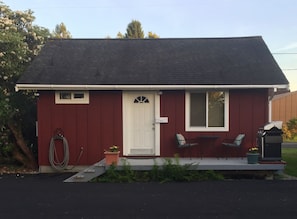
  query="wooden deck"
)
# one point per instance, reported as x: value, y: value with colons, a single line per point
x: 203, y: 164
x: 142, y: 164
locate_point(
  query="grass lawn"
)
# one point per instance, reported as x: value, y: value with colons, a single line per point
x: 290, y: 156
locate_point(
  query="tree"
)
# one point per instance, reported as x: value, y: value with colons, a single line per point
x: 152, y: 35
x: 134, y: 31
x: 20, y: 42
x: 61, y: 32
x: 120, y: 35
x: 290, y: 129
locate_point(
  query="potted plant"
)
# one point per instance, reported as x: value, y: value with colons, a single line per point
x: 112, y: 155
x: 252, y: 155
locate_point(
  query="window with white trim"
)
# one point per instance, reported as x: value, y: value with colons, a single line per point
x: 207, y: 111
x: 72, y: 97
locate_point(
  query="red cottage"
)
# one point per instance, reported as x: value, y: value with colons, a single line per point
x: 137, y: 94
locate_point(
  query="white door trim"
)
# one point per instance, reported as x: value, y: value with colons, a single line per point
x: 126, y: 147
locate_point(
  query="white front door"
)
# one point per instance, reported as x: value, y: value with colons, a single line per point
x: 139, y: 128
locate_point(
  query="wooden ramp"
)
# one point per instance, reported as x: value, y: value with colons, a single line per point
x: 89, y: 173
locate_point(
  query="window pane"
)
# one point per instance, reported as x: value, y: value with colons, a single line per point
x: 198, y: 109
x: 141, y: 99
x: 65, y: 95
x: 78, y: 95
x: 216, y: 102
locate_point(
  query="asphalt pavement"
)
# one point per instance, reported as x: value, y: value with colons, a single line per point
x: 46, y: 196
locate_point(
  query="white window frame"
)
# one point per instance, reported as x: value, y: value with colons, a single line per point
x: 204, y: 128
x: 72, y: 99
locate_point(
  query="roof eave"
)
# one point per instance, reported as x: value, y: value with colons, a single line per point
x: 141, y: 87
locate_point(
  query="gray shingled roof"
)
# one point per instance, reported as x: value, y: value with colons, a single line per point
x: 200, y: 61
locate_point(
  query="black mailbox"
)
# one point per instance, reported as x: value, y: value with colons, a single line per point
x: 270, y: 140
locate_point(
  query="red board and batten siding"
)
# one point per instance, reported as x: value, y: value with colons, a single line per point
x: 248, y: 112
x: 94, y: 126
x: 98, y: 125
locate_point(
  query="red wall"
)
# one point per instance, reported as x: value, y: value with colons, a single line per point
x: 248, y: 112
x: 94, y: 126
x: 98, y: 125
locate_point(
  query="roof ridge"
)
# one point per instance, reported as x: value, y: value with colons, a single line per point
x: 166, y: 38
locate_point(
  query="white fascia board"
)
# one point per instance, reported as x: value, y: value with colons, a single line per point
x: 139, y: 87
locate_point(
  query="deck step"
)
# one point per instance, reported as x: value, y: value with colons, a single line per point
x: 79, y: 176
x: 88, y: 174
x: 89, y: 170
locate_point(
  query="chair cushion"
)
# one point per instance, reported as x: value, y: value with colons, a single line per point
x: 181, y: 139
x: 238, y: 139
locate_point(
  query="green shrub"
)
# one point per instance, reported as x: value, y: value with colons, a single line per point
x: 112, y: 174
x: 290, y: 130
x: 170, y: 171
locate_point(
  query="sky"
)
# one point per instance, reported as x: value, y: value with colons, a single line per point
x: 274, y: 20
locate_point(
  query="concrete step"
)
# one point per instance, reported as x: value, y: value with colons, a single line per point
x: 88, y: 174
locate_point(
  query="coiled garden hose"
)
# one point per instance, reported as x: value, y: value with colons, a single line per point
x: 53, y: 156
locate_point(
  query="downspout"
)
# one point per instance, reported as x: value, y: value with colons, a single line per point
x: 269, y: 110
x: 271, y: 93
x: 270, y: 97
